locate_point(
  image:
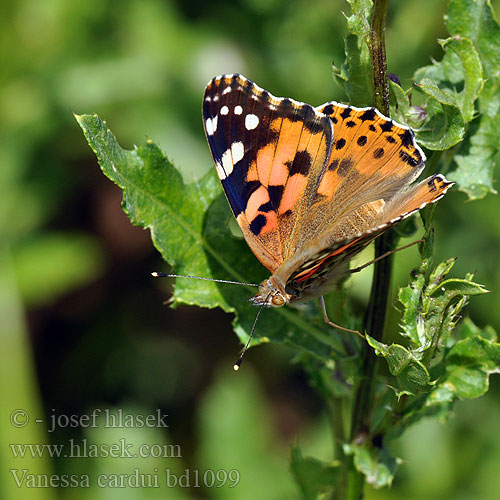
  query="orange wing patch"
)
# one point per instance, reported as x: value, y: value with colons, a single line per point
x: 368, y: 146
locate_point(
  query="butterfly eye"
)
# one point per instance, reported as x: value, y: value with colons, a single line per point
x: 277, y: 300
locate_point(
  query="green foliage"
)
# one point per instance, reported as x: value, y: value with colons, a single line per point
x: 461, y: 96
x: 436, y: 363
x: 313, y: 477
x: 355, y: 73
x: 377, y: 464
x: 431, y: 307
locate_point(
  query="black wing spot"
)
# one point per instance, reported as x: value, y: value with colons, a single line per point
x: 362, y: 140
x: 350, y: 124
x: 390, y: 139
x: 432, y: 184
x: 301, y: 163
x: 369, y: 115
x: 266, y: 207
x: 406, y: 138
x: 257, y: 224
x: 378, y: 153
x: 275, y: 195
x: 345, y: 166
x: 372, y: 128
x: 334, y: 164
x: 346, y: 113
x: 328, y: 110
x: 340, y: 143
x: 387, y: 126
x: 265, y: 96
x: 334, y: 119
x: 408, y: 159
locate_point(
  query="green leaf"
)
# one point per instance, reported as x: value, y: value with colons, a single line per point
x: 431, y: 305
x: 411, y: 374
x: 189, y: 226
x: 155, y: 197
x: 469, y: 329
x: 468, y: 365
x: 313, y: 477
x: 475, y: 21
x: 473, y: 73
x: 410, y: 296
x: 377, y: 464
x: 460, y: 66
x: 412, y: 116
x: 355, y: 73
x: 462, y: 373
x: 445, y: 125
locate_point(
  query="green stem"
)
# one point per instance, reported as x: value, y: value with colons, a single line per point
x: 378, y: 57
x: 377, y: 308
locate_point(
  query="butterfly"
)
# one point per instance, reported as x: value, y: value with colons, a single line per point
x: 310, y: 187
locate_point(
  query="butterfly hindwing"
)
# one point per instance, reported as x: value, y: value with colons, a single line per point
x: 269, y: 153
x: 401, y: 206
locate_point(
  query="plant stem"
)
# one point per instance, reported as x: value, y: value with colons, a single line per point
x: 379, y: 296
x: 378, y: 57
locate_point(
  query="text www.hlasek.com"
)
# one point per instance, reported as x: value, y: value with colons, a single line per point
x: 84, y: 449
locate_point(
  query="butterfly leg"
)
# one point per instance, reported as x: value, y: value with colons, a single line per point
x: 331, y: 323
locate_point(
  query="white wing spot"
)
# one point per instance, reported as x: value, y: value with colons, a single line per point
x: 211, y: 125
x: 224, y: 110
x: 238, y: 110
x: 230, y: 158
x: 238, y: 151
x: 226, y: 90
x: 220, y: 170
x: 251, y: 121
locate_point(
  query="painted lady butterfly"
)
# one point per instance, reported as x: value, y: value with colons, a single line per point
x: 310, y: 187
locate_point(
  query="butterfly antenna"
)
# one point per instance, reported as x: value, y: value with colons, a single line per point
x: 383, y: 256
x: 237, y: 365
x: 165, y: 275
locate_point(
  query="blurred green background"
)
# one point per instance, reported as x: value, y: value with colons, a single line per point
x: 83, y: 325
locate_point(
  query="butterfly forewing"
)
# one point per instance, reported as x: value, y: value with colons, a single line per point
x: 269, y: 153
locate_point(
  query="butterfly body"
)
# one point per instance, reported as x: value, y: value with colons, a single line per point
x: 310, y: 187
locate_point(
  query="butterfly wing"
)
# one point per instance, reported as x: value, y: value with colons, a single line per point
x: 269, y: 153
x: 366, y: 188
x: 305, y: 278
x: 368, y: 180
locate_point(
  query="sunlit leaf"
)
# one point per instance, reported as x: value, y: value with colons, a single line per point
x: 411, y: 374
x: 377, y: 464
x: 469, y: 364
